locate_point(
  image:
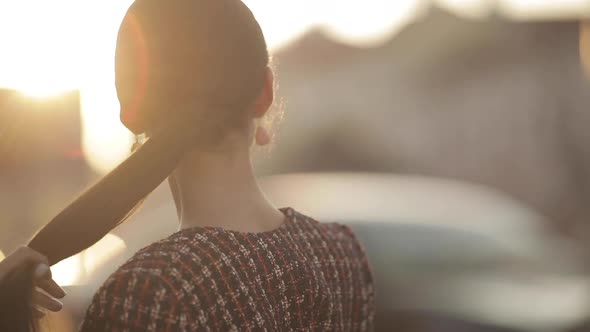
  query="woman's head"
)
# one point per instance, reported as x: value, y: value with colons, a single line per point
x: 188, y: 72
x: 199, y: 63
x: 185, y: 69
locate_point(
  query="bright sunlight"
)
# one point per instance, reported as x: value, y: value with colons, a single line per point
x: 49, y: 47
x: 43, y: 58
x: 75, y: 270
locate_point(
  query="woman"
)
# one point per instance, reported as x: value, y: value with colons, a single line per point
x: 193, y: 77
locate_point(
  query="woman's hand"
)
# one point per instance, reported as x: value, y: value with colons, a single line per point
x: 47, y: 290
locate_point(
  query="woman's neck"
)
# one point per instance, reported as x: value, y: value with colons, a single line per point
x: 220, y: 190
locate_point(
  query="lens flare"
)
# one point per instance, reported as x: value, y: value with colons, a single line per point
x: 585, y: 46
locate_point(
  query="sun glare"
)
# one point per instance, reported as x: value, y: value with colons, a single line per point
x: 68, y: 271
x: 100, y: 253
x: 43, y: 91
x: 75, y: 270
x: 40, y: 53
x: 65, y: 45
x: 474, y: 9
x: 49, y: 47
x: 105, y: 140
x: 366, y: 23
x: 282, y: 21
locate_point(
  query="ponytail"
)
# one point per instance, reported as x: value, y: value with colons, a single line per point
x: 89, y: 218
x: 107, y: 203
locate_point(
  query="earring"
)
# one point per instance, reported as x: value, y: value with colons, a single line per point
x: 262, y: 136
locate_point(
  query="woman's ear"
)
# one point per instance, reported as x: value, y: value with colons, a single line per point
x: 267, y: 95
x: 262, y: 136
x: 263, y: 104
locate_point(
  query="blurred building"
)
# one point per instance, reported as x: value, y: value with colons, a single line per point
x: 37, y: 130
x: 41, y: 168
x: 494, y: 102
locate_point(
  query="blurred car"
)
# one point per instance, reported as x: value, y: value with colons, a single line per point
x: 446, y: 255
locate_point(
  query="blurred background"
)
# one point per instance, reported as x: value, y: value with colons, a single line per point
x: 451, y: 134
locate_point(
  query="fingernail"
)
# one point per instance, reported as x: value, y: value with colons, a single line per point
x: 55, y: 305
x: 62, y: 293
x: 41, y: 271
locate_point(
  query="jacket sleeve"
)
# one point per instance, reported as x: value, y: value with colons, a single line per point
x: 136, y: 301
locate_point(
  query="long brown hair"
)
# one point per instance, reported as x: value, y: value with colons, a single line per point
x: 186, y: 72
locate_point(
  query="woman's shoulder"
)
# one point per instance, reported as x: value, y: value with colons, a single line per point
x: 334, y: 233
x: 334, y: 230
x: 151, y: 264
x: 165, y: 259
x: 152, y: 278
x: 133, y: 298
x: 341, y: 241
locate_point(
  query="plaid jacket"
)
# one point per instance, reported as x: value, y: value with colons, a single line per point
x: 304, y: 276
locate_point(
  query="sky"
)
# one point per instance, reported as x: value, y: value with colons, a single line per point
x: 53, y: 46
